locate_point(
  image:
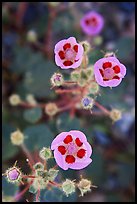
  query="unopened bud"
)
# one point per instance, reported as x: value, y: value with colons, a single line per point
x: 110, y: 54
x: 115, y: 115
x: 98, y: 40
x: 45, y: 153
x: 57, y: 79
x: 31, y: 36
x: 75, y: 75
x: 87, y: 102
x: 38, y: 165
x: 52, y: 174
x: 17, y: 137
x: 68, y: 187
x: 93, y: 88
x: 86, y: 45
x: 14, y: 100
x: 51, y: 109
x: 30, y: 99
x: 84, y: 186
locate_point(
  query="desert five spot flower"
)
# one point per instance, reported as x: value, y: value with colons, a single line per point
x: 92, y: 23
x: 71, y: 150
x: 68, y: 53
x: 109, y: 71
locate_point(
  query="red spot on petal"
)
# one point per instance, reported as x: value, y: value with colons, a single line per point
x: 78, y: 142
x: 105, y: 79
x: 87, y: 21
x: 81, y: 153
x: 75, y: 48
x: 116, y: 69
x: 116, y: 77
x: 93, y: 21
x: 66, y: 46
x: 67, y: 63
x: 61, y: 54
x: 70, y: 159
x: 101, y: 72
x: 62, y: 150
x: 107, y: 65
x: 68, y: 139
x: 76, y: 60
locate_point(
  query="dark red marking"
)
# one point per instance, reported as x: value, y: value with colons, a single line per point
x: 61, y: 54
x: 68, y: 139
x: 62, y: 150
x: 67, y: 63
x: 78, y: 142
x: 107, y: 65
x: 116, y: 69
x: 75, y: 48
x: 105, y: 79
x: 70, y: 159
x: 67, y: 46
x: 81, y: 153
x: 116, y: 77
x: 101, y: 72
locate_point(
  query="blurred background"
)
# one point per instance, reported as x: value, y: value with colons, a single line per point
x: 27, y: 66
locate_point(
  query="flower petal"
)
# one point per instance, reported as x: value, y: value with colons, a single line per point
x: 80, y: 164
x: 58, y: 139
x: 60, y: 160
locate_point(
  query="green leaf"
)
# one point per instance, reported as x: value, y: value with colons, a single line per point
x: 8, y: 149
x: 33, y: 115
x: 124, y: 46
x: 38, y: 136
x: 9, y: 189
x: 65, y: 123
x: 37, y: 79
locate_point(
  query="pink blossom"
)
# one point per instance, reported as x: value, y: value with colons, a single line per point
x: 68, y: 53
x: 13, y: 174
x: 71, y: 150
x: 92, y: 23
x: 109, y: 71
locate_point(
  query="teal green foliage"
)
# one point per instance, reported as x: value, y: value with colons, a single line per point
x: 9, y: 189
x: 33, y: 115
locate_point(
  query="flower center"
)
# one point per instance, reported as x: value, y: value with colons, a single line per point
x: 72, y: 148
x: 70, y: 54
x: 109, y: 73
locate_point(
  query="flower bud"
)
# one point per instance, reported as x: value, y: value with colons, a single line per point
x: 17, y: 137
x: 45, y: 153
x: 75, y: 75
x: 110, y: 54
x: 93, y: 88
x: 38, y: 166
x: 51, y: 109
x: 14, y: 100
x: 57, y: 79
x: 86, y: 46
x: 68, y: 187
x: 87, y: 102
x: 98, y: 40
x: 52, y: 174
x: 13, y: 174
x: 30, y: 99
x: 84, y: 186
x: 115, y: 115
x: 31, y: 36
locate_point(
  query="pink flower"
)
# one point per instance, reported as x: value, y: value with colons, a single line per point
x: 92, y: 23
x: 68, y: 53
x: 109, y: 71
x: 71, y: 150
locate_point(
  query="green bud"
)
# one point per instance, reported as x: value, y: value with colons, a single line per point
x: 68, y: 187
x: 93, y: 88
x: 39, y: 166
x: 45, y: 153
x: 52, y: 174
x: 84, y: 186
x: 75, y: 76
x: 86, y: 46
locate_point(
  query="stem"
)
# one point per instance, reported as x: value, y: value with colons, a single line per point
x: 28, y: 176
x: 28, y: 155
x: 17, y: 197
x: 107, y: 112
x: 38, y: 195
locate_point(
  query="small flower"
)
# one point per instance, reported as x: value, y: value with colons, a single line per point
x: 45, y: 153
x: 57, y: 79
x: 30, y: 99
x: 68, y: 53
x: 115, y: 115
x: 87, y: 103
x: 14, y: 100
x: 84, y: 186
x: 51, y: 109
x: 92, y: 23
x: 68, y: 187
x: 86, y: 45
x: 31, y: 36
x: 109, y: 71
x: 71, y: 150
x: 17, y: 137
x: 13, y: 174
